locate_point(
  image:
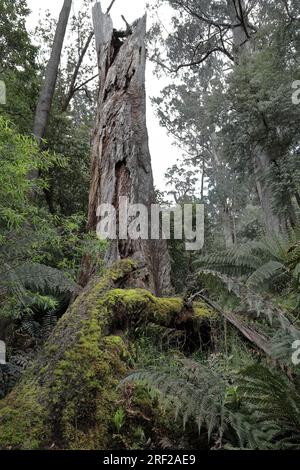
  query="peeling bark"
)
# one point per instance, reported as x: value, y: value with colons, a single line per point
x: 121, y: 162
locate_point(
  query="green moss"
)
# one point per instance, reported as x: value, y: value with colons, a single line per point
x: 71, y: 393
x: 140, y: 305
x: 22, y: 418
x: 203, y: 311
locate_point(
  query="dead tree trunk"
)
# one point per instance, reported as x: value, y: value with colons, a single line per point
x: 46, y: 96
x: 121, y: 162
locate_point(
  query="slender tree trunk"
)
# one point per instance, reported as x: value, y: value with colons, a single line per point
x: 263, y: 164
x: 46, y: 96
x: 228, y: 227
x: 297, y: 197
x: 73, y: 87
x: 121, y: 162
x: 202, y: 179
x: 224, y: 208
x: 239, y: 20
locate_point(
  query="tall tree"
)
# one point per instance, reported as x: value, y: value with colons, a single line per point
x: 209, y: 36
x: 46, y: 96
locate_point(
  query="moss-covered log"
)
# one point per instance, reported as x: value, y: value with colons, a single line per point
x: 69, y: 396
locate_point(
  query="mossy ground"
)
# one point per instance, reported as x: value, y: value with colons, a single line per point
x: 69, y: 397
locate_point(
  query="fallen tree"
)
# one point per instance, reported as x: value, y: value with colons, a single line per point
x: 68, y: 398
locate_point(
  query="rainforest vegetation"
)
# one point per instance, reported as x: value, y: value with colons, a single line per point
x: 150, y: 346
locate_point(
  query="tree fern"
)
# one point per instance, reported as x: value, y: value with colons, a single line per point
x: 270, y: 271
x: 274, y: 402
x: 199, y: 397
x: 260, y: 409
x: 37, y: 277
x: 264, y: 263
x: 238, y: 261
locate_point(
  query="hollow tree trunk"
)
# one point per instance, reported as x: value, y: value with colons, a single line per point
x: 121, y: 162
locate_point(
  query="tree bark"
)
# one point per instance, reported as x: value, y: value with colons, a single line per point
x: 228, y: 227
x: 273, y: 222
x: 121, y: 162
x: 224, y: 207
x: 46, y: 96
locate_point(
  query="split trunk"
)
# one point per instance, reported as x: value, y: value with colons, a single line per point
x: 121, y: 162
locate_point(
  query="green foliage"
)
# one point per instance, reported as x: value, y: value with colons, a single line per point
x: 196, y: 393
x: 37, y: 277
x: 27, y: 233
x: 269, y: 264
x: 18, y: 65
x: 255, y: 408
x: 273, y: 401
x: 12, y: 33
x: 19, y: 156
x: 119, y: 419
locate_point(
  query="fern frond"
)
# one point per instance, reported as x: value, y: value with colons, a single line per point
x: 38, y: 277
x: 269, y: 271
x: 274, y: 402
x: 264, y: 262
x: 238, y: 261
x: 202, y: 401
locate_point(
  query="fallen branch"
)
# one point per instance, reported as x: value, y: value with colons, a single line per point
x: 249, y: 332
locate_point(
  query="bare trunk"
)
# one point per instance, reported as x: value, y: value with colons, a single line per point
x: 73, y: 87
x: 239, y: 20
x: 297, y: 197
x: 273, y: 223
x: 228, y: 228
x: 224, y: 207
x: 202, y: 179
x: 46, y: 96
x: 121, y: 162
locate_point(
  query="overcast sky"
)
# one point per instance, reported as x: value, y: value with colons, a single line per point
x: 163, y: 153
